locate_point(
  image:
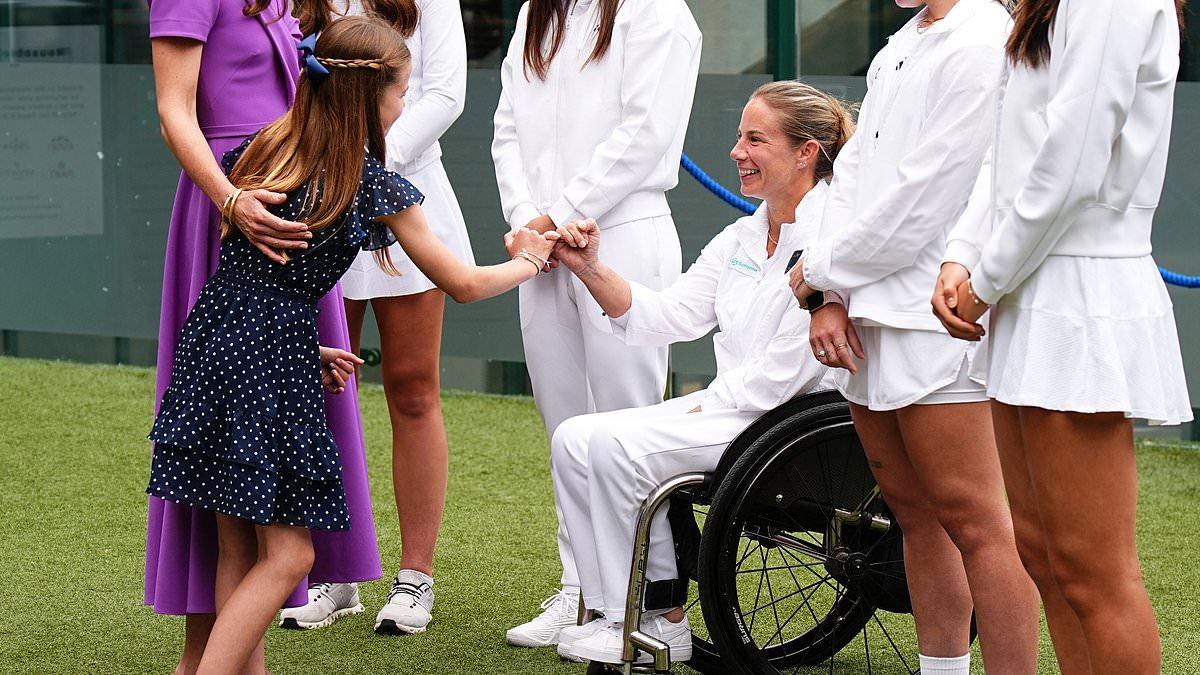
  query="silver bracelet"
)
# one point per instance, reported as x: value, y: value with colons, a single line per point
x: 543, y: 264
x: 527, y: 257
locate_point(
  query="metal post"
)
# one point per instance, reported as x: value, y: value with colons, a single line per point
x: 781, y: 38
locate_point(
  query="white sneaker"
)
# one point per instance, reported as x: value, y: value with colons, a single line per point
x: 606, y: 644
x: 326, y: 603
x: 558, y: 612
x: 409, y: 605
x: 572, y: 634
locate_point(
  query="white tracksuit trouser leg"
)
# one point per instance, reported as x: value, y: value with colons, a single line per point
x: 604, y: 467
x: 576, y: 364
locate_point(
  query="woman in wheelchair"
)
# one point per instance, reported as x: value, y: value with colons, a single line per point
x: 605, y: 464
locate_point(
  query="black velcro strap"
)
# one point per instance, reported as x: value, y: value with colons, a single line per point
x: 665, y: 594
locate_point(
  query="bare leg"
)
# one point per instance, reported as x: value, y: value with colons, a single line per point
x: 356, y: 311
x: 1070, y: 647
x: 285, y: 556
x: 237, y: 552
x: 410, y: 328
x: 937, y: 582
x: 1084, y: 477
x: 953, y: 452
x: 196, y: 630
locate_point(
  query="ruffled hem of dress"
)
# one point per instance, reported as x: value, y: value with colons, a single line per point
x: 1089, y: 364
x: 266, y: 442
x: 217, y: 485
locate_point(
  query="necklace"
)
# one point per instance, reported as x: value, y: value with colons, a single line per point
x: 770, y: 240
x: 927, y: 23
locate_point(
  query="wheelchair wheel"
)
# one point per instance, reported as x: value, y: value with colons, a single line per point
x: 799, y: 552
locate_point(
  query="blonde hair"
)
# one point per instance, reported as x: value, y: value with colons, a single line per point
x: 809, y: 114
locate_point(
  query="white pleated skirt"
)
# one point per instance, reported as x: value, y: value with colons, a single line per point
x: 365, y: 280
x: 1090, y: 335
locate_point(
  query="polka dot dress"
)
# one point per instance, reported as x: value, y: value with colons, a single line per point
x: 241, y: 429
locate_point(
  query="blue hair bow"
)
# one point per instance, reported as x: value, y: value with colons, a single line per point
x: 308, y: 54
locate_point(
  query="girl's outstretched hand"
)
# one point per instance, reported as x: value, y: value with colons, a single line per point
x: 540, y: 245
x: 579, y: 244
x: 337, y: 367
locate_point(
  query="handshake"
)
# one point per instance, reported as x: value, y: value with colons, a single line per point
x: 575, y: 245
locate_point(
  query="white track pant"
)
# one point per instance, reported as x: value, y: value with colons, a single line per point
x: 575, y: 363
x: 604, y: 467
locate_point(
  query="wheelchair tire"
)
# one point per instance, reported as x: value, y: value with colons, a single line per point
x: 778, y: 499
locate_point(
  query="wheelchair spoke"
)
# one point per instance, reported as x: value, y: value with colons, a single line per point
x: 774, y: 603
x: 749, y: 550
x: 758, y: 593
x: 892, y: 642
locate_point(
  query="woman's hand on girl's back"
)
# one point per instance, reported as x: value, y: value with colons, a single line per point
x: 579, y: 244
x: 266, y: 231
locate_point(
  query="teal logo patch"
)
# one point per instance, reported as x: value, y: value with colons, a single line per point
x: 742, y: 265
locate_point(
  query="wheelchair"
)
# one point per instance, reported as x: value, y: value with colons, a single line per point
x: 798, y: 562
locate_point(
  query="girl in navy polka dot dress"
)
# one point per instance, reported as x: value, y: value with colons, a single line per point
x: 242, y: 430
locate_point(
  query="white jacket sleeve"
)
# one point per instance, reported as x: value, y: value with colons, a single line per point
x: 933, y: 178
x: 658, y: 82
x: 443, y: 79
x: 515, y: 198
x: 964, y: 242
x: 684, y: 311
x: 1094, y: 79
x: 785, y: 369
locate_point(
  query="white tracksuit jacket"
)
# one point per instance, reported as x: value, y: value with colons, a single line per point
x: 903, y: 180
x: 1082, y: 145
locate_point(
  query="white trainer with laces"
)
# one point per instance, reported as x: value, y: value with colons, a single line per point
x: 572, y: 634
x: 409, y: 607
x: 558, y: 612
x: 326, y: 603
x: 606, y: 644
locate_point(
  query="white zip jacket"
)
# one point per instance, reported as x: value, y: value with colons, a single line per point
x: 903, y: 180
x: 762, y: 350
x: 437, y: 87
x: 1081, y: 153
x: 600, y: 140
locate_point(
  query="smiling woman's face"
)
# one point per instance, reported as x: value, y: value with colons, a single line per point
x: 767, y: 163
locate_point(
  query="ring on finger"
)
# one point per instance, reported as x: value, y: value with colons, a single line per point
x: 821, y: 353
x: 838, y: 348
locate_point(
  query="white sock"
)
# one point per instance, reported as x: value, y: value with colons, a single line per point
x: 940, y: 665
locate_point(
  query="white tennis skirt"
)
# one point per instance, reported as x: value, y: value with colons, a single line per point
x: 365, y: 280
x: 1090, y: 335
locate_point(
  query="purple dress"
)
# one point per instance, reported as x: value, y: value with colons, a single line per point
x: 247, y: 79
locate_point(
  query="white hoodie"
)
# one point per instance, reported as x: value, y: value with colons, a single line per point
x: 601, y: 139
x: 903, y: 180
x: 1081, y: 153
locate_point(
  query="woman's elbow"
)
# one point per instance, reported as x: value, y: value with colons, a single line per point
x: 465, y: 292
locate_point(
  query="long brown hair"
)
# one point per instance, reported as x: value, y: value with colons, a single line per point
x: 546, y: 26
x: 315, y: 15
x: 809, y: 114
x: 319, y: 143
x: 1029, y: 42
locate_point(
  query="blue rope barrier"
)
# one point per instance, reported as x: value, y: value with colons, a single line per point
x: 1173, y: 278
x: 1177, y: 279
x: 715, y: 187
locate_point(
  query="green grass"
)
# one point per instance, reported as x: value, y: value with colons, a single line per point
x: 74, y: 463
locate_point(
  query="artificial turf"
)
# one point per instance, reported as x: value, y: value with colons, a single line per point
x: 74, y: 463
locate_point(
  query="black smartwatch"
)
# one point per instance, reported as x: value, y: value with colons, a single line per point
x: 814, y: 301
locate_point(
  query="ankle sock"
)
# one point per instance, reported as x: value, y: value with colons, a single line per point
x: 954, y: 665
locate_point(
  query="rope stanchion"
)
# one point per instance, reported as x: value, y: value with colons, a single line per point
x: 1172, y: 278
